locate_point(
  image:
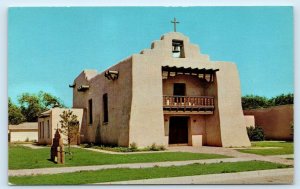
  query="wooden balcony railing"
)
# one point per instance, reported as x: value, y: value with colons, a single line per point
x: 188, y: 103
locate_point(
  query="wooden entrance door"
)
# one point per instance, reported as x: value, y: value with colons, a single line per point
x: 178, y: 130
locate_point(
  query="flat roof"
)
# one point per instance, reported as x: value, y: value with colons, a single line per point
x: 24, y: 126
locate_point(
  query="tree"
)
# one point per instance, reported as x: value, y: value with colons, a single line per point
x: 69, y: 127
x: 15, y: 115
x: 49, y: 101
x: 32, y: 105
x: 254, y: 101
x: 283, y: 99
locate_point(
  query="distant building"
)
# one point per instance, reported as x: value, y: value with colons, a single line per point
x: 171, y: 94
x: 27, y: 131
x: 49, y: 121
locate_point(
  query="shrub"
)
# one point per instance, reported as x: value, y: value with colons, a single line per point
x: 162, y: 147
x: 255, y: 133
x: 292, y: 128
x: 133, y: 147
x: 88, y: 145
x: 155, y: 147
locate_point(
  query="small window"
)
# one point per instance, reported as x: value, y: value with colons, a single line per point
x: 177, y: 49
x: 90, y: 111
x: 179, y: 89
x: 48, y: 123
x: 105, y: 108
x: 179, y: 92
x: 40, y: 129
x: 43, y: 134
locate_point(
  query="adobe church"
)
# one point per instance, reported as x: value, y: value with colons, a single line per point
x: 170, y: 94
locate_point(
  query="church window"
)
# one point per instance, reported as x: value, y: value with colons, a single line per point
x: 105, y: 108
x: 43, y: 130
x: 48, y: 123
x: 40, y: 129
x: 90, y: 111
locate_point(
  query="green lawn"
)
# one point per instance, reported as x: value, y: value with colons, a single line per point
x: 122, y: 174
x: 284, y: 148
x: 21, y: 157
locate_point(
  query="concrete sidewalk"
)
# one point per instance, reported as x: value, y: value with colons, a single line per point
x: 284, y: 156
x: 231, y: 152
x: 120, y: 153
x: 56, y: 170
x: 32, y: 146
x: 273, y: 176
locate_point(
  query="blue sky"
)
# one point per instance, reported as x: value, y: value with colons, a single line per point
x: 49, y: 47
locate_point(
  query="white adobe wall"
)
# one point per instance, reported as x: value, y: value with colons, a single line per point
x: 23, y: 136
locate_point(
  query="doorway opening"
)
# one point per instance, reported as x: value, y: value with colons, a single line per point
x: 178, y: 130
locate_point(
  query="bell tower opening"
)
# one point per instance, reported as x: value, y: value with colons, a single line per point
x: 177, y: 48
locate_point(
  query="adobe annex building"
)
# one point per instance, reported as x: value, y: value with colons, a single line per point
x: 169, y: 94
x: 49, y: 121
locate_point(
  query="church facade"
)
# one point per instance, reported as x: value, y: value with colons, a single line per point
x: 171, y: 94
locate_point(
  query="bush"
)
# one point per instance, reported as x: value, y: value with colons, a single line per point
x: 133, y: 147
x: 88, y: 145
x: 154, y: 147
x: 161, y: 147
x: 255, y: 133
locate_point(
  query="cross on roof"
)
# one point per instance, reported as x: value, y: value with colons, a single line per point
x: 174, y: 22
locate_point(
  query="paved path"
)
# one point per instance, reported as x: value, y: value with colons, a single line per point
x: 238, y: 156
x: 274, y: 176
x: 284, y: 156
x: 112, y: 152
x: 56, y: 170
x: 33, y: 146
x: 256, y: 147
x: 230, y: 152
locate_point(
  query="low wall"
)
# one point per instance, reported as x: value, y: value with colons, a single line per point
x: 275, y: 121
x: 23, y: 136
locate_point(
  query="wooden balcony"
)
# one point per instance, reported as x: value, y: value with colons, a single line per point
x: 188, y: 104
